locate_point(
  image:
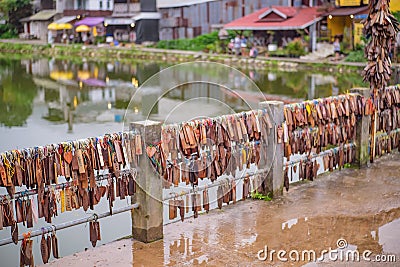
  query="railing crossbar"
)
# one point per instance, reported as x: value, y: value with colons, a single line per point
x: 51, y: 228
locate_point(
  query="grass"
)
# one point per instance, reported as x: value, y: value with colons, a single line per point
x: 257, y: 195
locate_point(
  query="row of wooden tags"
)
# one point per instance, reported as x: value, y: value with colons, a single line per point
x: 208, y: 148
x: 226, y: 194
x: 75, y: 160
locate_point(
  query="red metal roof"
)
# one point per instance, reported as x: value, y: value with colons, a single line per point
x: 346, y: 11
x: 292, y: 18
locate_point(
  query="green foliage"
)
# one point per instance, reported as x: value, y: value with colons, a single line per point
x: 356, y: 56
x: 7, y: 31
x: 99, y: 39
x: 295, y: 48
x: 397, y: 15
x: 257, y: 195
x: 14, y: 10
x: 199, y: 43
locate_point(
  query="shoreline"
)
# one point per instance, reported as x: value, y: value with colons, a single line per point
x: 137, y: 53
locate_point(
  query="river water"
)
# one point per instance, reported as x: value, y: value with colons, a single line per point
x: 45, y: 101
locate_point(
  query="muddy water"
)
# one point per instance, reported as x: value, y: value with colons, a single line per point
x: 360, y: 206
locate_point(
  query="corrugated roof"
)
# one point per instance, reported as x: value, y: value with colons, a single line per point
x: 179, y: 3
x: 302, y: 18
x: 41, y: 15
x: 65, y: 19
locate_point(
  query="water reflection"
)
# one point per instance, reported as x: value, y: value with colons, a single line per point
x: 68, y: 85
x: 17, y: 94
x: 236, y: 240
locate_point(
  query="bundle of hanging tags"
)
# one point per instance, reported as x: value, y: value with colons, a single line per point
x: 388, y: 120
x: 84, y: 164
x: 314, y: 126
x: 208, y: 148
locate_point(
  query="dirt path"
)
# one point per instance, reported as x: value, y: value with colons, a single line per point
x: 360, y: 206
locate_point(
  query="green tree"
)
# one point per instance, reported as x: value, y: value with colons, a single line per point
x: 17, y: 91
x: 397, y: 15
x: 13, y: 11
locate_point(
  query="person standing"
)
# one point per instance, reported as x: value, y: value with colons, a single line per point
x: 236, y: 45
x: 243, y: 45
x: 64, y: 38
x: 253, y: 52
x: 50, y: 37
x: 84, y: 37
x: 336, y: 48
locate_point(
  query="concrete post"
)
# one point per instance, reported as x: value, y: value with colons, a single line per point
x: 362, y: 132
x: 147, y: 220
x: 274, y: 151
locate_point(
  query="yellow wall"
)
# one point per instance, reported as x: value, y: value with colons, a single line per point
x: 350, y: 2
x: 358, y: 27
x: 394, y: 5
x: 336, y: 25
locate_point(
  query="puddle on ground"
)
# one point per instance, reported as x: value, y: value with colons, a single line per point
x: 360, y: 208
x: 345, y: 205
x: 235, y: 243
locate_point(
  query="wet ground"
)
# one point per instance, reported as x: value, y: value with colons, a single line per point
x: 360, y: 207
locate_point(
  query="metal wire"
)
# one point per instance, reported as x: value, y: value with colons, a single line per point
x: 385, y: 134
x: 30, y: 192
x: 215, y: 184
x: 68, y: 224
x: 326, y: 152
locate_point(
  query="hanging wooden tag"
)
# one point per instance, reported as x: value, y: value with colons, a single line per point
x: 118, y: 151
x: 110, y: 158
x: 190, y: 135
x: 67, y: 170
x: 3, y: 174
x: 182, y: 138
x: 55, y: 173
x: 100, y: 153
x: 138, y: 145
x: 243, y: 126
x: 239, y: 130
x: 68, y: 156
x: 62, y: 202
x: 172, y: 209
x: 127, y: 158
x: 39, y: 172
x: 81, y: 162
x: 68, y: 199
x: 203, y: 135
x: 257, y: 123
x: 18, y: 172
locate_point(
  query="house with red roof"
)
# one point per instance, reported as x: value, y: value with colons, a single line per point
x: 277, y: 24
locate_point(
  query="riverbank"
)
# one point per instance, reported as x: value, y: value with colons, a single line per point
x: 361, y: 207
x: 29, y: 48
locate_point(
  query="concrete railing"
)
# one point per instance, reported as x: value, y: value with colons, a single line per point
x: 147, y: 221
x: 147, y: 217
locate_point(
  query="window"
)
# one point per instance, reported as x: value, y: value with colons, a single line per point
x: 108, y: 5
x: 101, y: 5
